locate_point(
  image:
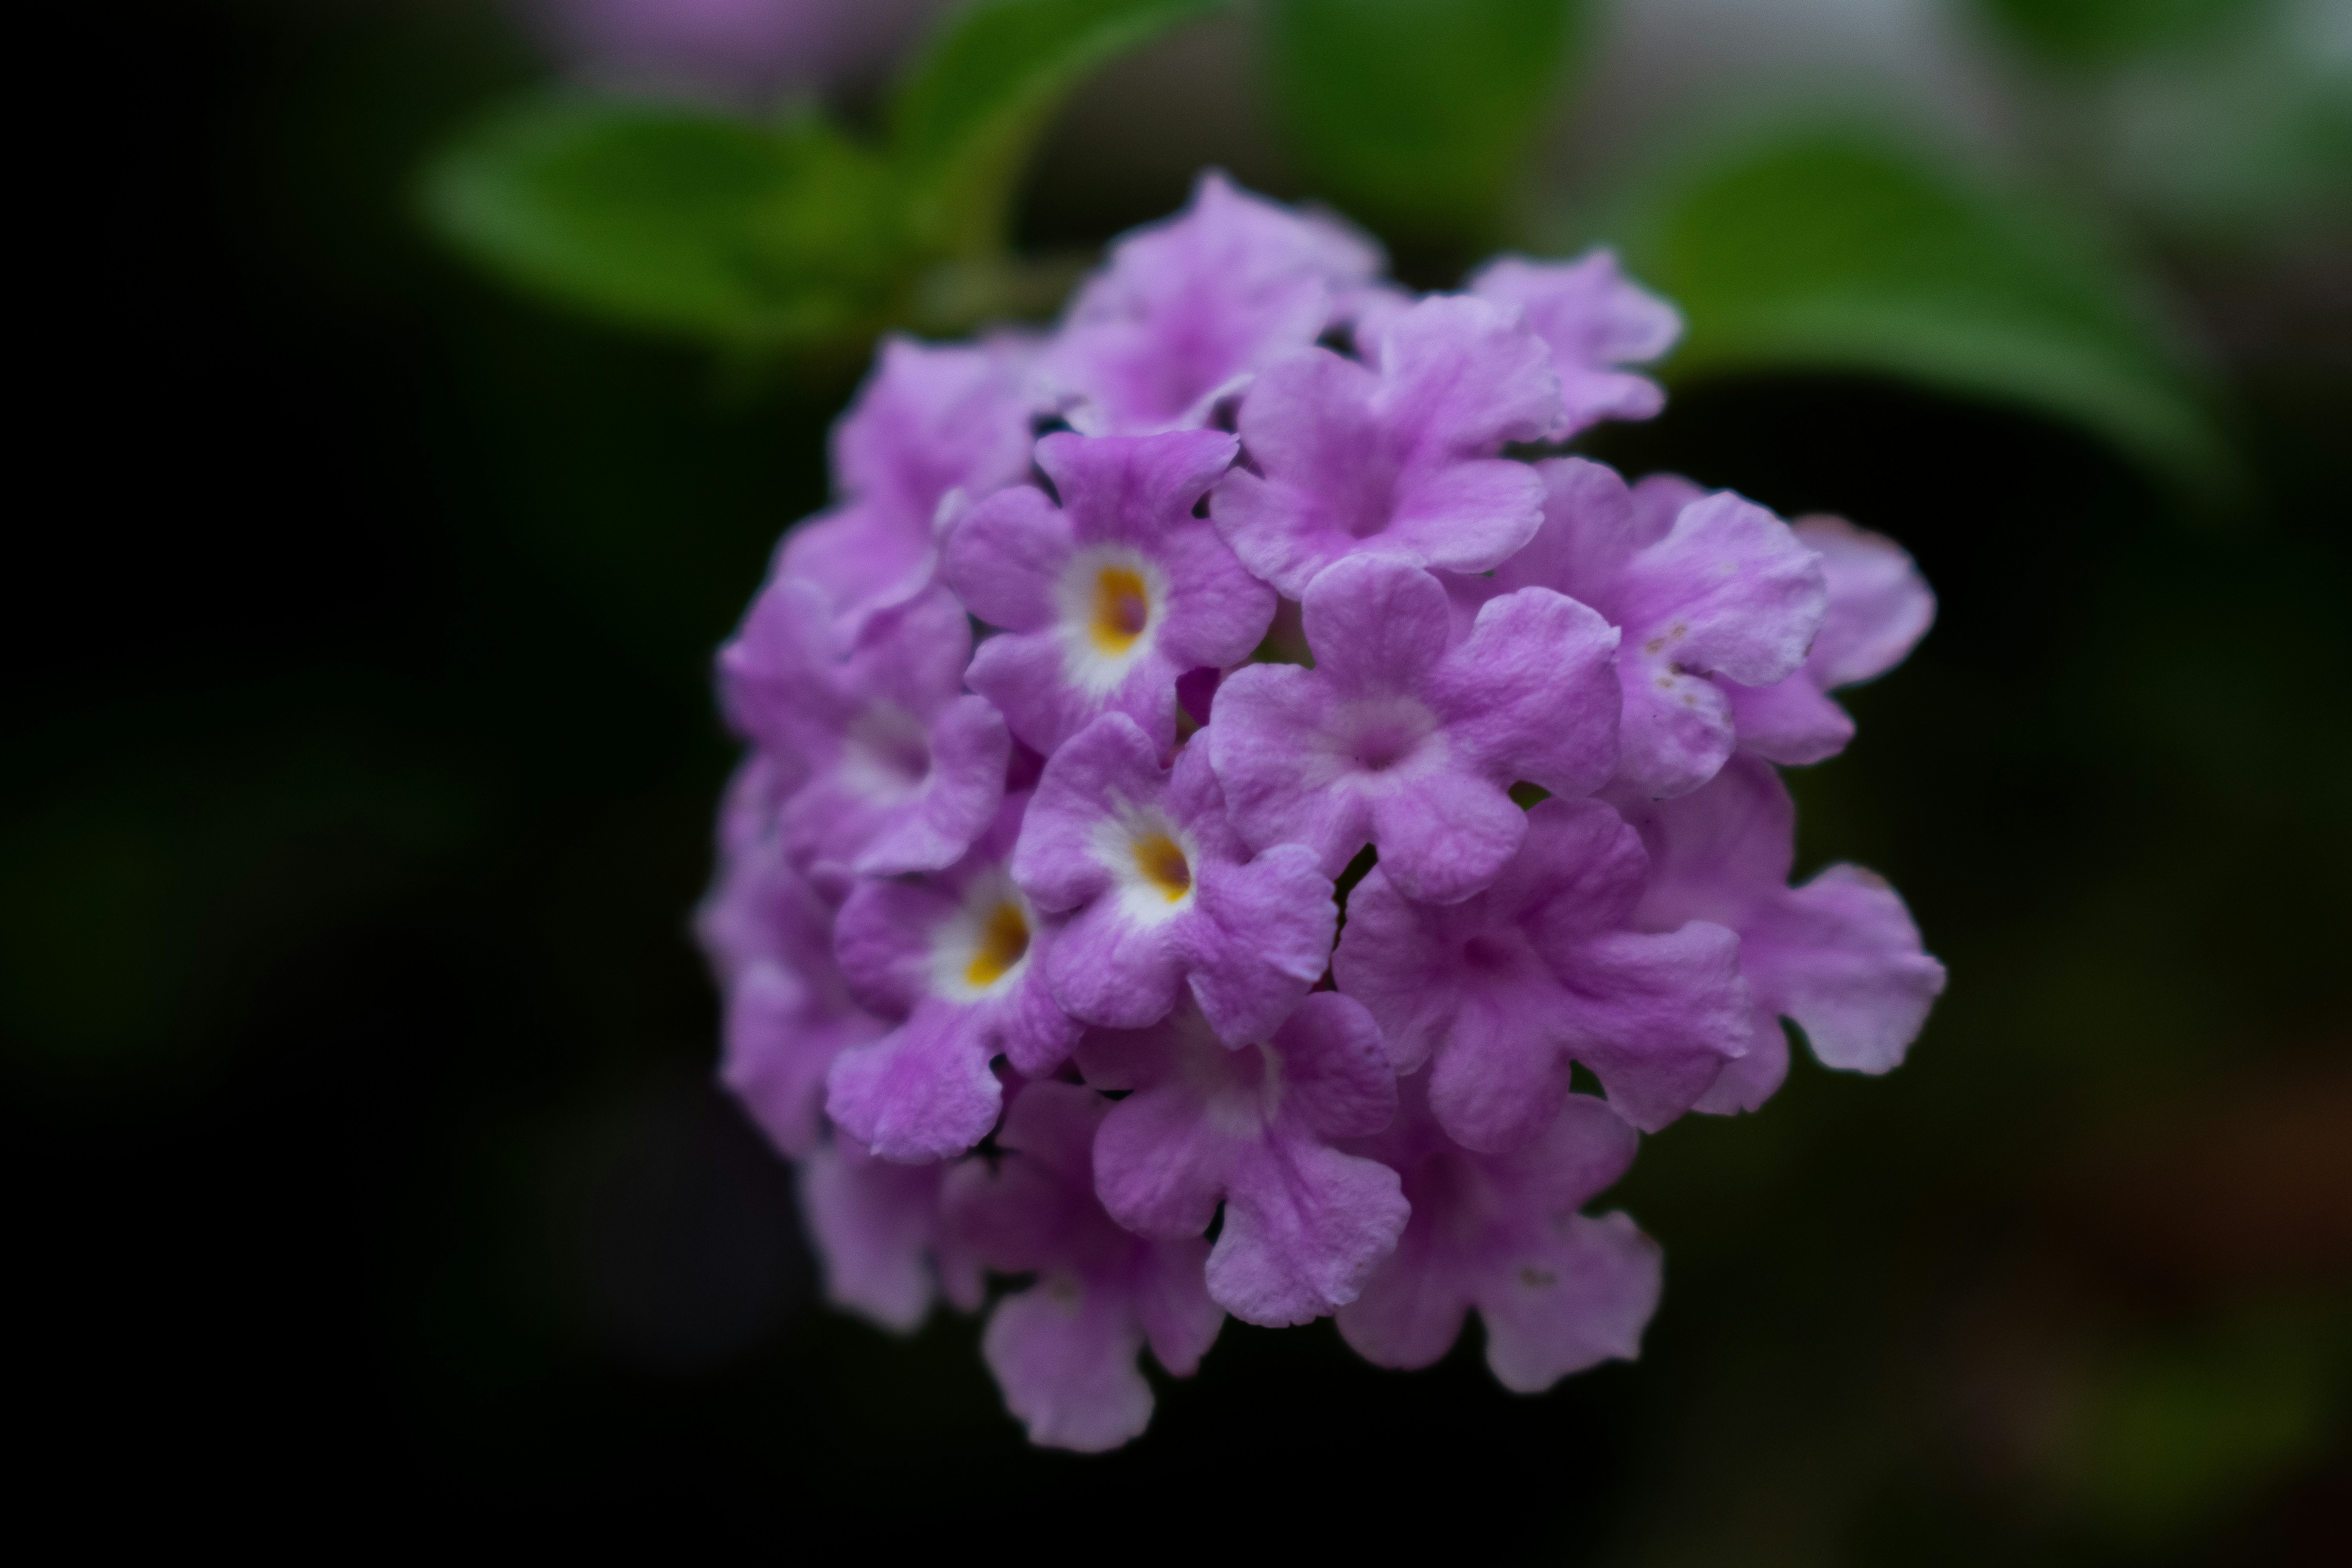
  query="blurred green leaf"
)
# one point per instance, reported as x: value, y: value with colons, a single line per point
x: 2099, y: 32
x: 2241, y: 142
x: 679, y: 219
x: 1840, y: 250
x: 2179, y: 1432
x: 1414, y: 114
x: 754, y: 237
x: 92, y: 912
x: 972, y: 106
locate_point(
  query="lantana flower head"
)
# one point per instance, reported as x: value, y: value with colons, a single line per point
x: 1218, y: 778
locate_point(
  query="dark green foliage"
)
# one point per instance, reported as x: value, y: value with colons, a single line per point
x: 679, y: 219
x: 2101, y: 32
x: 1414, y: 114
x: 971, y: 109
x: 747, y: 237
x: 1844, y: 250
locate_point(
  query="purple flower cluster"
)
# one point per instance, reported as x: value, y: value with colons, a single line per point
x: 1133, y: 888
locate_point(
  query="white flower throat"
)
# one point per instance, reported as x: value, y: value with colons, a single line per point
x: 1112, y: 601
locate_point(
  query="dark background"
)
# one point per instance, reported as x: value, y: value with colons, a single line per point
x: 358, y: 1105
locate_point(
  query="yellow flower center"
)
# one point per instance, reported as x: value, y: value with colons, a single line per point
x: 1122, y: 608
x: 1162, y: 861
x: 1003, y: 943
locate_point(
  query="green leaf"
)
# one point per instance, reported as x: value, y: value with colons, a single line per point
x: 2177, y: 1431
x: 1414, y: 115
x: 971, y: 107
x: 677, y: 219
x: 2102, y: 32
x: 686, y: 221
x: 1842, y: 250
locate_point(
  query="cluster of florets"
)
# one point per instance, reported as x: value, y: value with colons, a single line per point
x: 1213, y: 789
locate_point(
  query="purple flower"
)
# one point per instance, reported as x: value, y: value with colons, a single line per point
x: 1716, y: 586
x: 1558, y: 1291
x: 788, y: 1011
x: 1189, y: 308
x: 1498, y: 993
x: 1216, y: 666
x: 1254, y: 1128
x: 1839, y: 956
x: 1159, y: 890
x: 1110, y: 597
x: 733, y: 924
x: 955, y: 957
x: 1595, y: 320
x: 933, y: 430
x: 904, y: 770
x: 1396, y: 737
x: 744, y: 52
x: 1879, y: 607
x: 1395, y: 456
x: 879, y: 1236
x: 1064, y: 1351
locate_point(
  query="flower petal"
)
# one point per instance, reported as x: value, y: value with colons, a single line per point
x: 922, y: 1092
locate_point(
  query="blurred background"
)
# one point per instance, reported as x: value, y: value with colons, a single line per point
x: 428, y: 423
